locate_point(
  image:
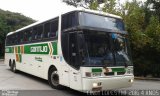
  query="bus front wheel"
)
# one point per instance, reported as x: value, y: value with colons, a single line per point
x: 53, y: 79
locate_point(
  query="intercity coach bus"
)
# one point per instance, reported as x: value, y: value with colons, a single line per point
x: 81, y: 49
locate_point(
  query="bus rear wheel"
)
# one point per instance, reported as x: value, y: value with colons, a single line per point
x: 53, y: 79
x: 10, y: 64
x: 13, y: 67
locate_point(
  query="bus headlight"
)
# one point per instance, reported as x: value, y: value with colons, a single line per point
x: 97, y: 84
x: 131, y: 80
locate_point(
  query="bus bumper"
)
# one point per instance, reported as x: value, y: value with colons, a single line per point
x: 107, y: 83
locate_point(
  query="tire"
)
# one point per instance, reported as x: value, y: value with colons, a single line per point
x: 14, y: 67
x: 10, y: 64
x: 53, y: 79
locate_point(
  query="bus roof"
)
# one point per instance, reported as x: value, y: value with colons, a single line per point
x: 77, y: 9
x: 10, y: 33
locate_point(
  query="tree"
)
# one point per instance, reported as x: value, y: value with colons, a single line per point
x: 154, y: 7
x: 110, y: 6
x: 83, y: 3
x: 10, y: 21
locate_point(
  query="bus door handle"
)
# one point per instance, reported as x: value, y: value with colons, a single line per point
x: 65, y: 71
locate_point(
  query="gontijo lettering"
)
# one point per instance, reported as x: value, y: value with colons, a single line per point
x: 39, y: 49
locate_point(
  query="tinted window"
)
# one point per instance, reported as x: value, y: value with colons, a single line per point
x: 21, y: 36
x: 8, y: 40
x: 39, y: 32
x: 65, y: 46
x: 34, y: 34
x: 69, y: 20
x: 29, y: 35
x: 13, y: 39
x: 73, y: 49
x: 98, y: 21
x: 54, y: 29
x: 47, y: 28
x: 25, y: 36
x: 51, y: 29
x: 18, y: 37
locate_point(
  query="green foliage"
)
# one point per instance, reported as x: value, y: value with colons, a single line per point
x: 10, y: 21
x: 109, y: 6
x: 153, y: 31
x: 155, y: 7
x: 88, y: 4
x: 94, y: 5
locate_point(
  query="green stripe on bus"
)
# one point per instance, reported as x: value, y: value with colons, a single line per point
x: 40, y: 48
x: 20, y: 57
x: 19, y: 50
x: 118, y: 69
x: 96, y: 70
x: 54, y: 45
x: 36, y: 49
x: 9, y: 50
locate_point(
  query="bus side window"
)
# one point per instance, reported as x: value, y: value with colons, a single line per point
x: 47, y: 28
x: 29, y: 35
x: 34, y: 34
x: 25, y: 36
x: 7, y: 41
x: 21, y: 36
x: 16, y: 39
x: 54, y: 28
x: 69, y: 20
x: 39, y: 32
x: 13, y: 39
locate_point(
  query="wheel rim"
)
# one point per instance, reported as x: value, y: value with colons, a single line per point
x: 55, y: 79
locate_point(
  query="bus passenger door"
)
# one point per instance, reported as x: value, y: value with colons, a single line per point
x: 75, y: 74
x: 64, y: 78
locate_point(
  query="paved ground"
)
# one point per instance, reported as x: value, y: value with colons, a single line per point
x: 38, y: 87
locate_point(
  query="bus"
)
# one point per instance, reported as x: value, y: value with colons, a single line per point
x: 84, y: 50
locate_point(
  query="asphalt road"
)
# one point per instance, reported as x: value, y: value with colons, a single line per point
x: 28, y: 85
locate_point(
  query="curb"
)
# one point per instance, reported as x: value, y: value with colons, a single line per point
x: 145, y: 78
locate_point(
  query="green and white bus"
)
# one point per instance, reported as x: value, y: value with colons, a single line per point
x: 82, y: 49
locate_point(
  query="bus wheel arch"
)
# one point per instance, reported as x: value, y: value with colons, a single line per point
x: 53, y: 77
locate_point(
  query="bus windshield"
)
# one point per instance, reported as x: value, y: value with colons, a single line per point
x: 98, y: 21
x: 109, y: 49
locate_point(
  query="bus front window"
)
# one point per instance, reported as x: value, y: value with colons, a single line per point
x: 98, y: 48
x: 106, y: 49
x: 121, y: 49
